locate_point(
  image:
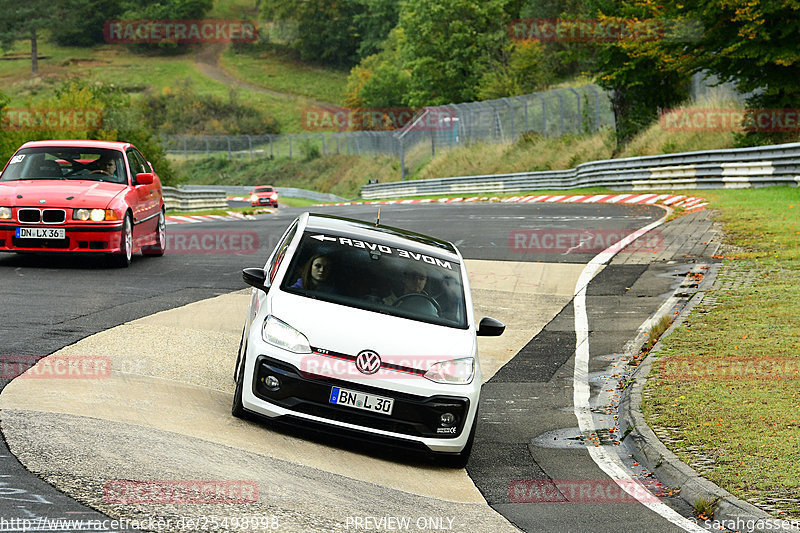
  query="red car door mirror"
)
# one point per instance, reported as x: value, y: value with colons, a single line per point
x: 144, y: 178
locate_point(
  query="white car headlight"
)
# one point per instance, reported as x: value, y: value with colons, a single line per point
x: 455, y: 371
x: 254, y: 198
x: 5, y: 212
x: 280, y: 334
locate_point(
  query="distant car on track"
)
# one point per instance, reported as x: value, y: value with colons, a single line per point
x: 367, y: 330
x: 264, y: 195
x: 97, y: 197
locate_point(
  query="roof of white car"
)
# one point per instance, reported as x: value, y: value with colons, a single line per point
x: 386, y: 233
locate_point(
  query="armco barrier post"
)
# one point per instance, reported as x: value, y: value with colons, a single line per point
x: 596, y: 108
x: 402, y: 160
x: 578, y: 103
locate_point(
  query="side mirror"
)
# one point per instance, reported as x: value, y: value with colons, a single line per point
x: 490, y: 327
x: 256, y: 277
x: 144, y: 178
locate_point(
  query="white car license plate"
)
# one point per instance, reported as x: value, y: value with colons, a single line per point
x: 360, y: 400
x: 41, y: 233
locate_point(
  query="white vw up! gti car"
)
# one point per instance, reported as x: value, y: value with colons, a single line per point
x: 366, y: 330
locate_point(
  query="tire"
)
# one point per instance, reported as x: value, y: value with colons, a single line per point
x: 238, y: 356
x: 459, y: 460
x: 157, y: 249
x: 237, y: 408
x: 122, y: 259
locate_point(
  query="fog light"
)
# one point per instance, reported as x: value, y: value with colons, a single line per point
x: 272, y: 383
x: 448, y: 419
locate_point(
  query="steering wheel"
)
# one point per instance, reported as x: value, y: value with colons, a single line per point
x: 409, y: 296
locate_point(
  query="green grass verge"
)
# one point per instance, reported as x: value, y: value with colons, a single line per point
x: 117, y: 65
x: 243, y: 210
x: 246, y: 210
x: 276, y: 70
x: 296, y: 202
x: 749, y: 427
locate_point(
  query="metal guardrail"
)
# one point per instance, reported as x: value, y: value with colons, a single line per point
x: 197, y: 199
x: 244, y: 190
x: 733, y: 168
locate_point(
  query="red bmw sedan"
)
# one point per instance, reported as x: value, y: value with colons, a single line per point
x: 97, y: 197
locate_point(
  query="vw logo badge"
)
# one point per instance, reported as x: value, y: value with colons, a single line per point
x: 368, y: 362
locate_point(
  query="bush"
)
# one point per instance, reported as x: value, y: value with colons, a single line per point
x: 121, y: 121
x: 182, y: 111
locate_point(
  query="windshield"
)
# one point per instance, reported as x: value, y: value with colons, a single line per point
x: 378, y: 277
x: 58, y: 162
x: 263, y: 189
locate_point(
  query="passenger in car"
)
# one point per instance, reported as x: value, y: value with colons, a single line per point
x: 316, y: 275
x: 448, y: 298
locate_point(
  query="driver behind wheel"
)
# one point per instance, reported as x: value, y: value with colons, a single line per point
x: 412, y: 280
x: 105, y: 165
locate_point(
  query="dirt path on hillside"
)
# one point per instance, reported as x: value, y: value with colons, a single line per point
x: 207, y: 62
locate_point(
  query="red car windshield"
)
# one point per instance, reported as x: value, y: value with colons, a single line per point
x: 263, y: 189
x: 66, y: 163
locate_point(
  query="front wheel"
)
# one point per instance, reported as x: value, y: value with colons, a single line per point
x: 122, y: 258
x: 237, y: 408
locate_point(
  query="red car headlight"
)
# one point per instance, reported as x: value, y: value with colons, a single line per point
x: 95, y: 215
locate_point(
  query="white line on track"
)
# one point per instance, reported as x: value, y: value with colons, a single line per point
x: 607, y: 460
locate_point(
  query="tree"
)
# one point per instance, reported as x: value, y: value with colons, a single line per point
x: 165, y: 10
x: 81, y: 22
x: 753, y: 44
x: 448, y: 45
x: 647, y: 72
x: 327, y: 30
x: 25, y: 20
x: 523, y: 69
x: 379, y: 80
x: 374, y: 20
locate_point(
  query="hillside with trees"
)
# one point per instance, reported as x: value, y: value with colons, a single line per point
x: 392, y: 53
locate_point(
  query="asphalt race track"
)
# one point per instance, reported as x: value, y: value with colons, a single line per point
x: 527, y: 436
